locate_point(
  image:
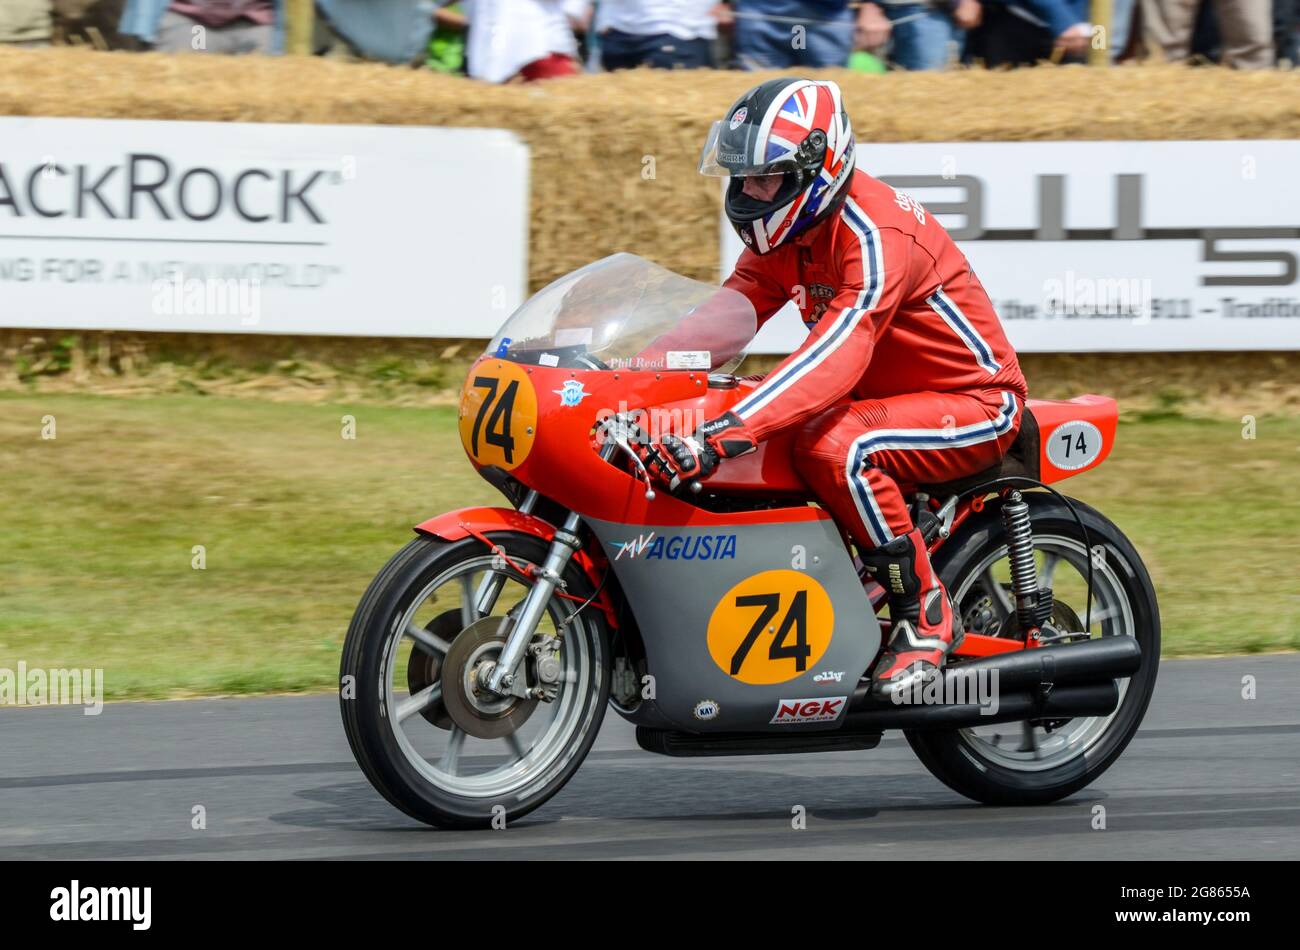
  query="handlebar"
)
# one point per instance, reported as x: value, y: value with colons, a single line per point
x: 618, y: 430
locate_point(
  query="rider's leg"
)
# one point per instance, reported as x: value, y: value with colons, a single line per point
x: 859, y: 457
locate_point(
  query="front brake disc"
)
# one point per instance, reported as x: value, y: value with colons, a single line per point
x: 472, y: 707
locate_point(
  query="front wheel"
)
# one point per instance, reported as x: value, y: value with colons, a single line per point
x: 1039, y: 762
x: 430, y: 742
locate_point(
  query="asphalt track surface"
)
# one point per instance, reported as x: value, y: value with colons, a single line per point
x: 1210, y: 775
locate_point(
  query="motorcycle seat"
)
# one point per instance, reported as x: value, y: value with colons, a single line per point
x: 1021, y: 461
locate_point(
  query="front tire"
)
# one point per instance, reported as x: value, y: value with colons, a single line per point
x: 425, y: 764
x: 1044, y: 766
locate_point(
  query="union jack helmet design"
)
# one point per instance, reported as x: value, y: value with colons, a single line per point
x: 796, y: 128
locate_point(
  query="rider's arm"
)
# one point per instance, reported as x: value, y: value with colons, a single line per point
x: 757, y: 283
x: 832, y: 359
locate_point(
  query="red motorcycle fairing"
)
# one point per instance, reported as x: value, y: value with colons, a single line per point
x: 551, y: 442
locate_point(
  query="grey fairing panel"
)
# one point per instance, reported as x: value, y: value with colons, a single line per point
x: 674, y: 577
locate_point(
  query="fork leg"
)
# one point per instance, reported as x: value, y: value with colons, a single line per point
x: 566, y: 542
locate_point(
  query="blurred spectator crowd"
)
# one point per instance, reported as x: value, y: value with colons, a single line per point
x: 524, y: 40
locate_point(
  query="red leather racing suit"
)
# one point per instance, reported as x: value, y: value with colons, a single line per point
x: 906, y: 377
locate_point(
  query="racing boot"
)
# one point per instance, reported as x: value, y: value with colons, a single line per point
x: 920, y: 612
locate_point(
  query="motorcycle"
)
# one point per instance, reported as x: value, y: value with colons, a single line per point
x: 729, y: 617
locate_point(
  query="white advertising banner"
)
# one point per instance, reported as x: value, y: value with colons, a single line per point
x: 260, y: 228
x: 1087, y: 246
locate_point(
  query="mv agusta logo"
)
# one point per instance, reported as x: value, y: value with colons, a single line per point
x: 701, y: 547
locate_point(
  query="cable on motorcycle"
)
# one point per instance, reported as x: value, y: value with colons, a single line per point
x: 583, y: 606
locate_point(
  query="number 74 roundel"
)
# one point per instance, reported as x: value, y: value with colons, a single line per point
x: 771, y: 627
x: 498, y: 414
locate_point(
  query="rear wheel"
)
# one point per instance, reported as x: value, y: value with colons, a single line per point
x: 1039, y: 762
x: 425, y: 734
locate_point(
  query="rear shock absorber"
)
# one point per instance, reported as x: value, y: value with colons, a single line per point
x: 1033, y: 606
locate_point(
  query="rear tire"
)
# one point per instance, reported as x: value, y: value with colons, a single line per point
x: 975, y: 769
x: 386, y: 759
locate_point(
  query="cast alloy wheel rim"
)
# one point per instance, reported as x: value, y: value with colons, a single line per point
x: 461, y: 765
x: 1021, y: 746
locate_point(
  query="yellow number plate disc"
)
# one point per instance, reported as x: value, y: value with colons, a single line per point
x: 771, y: 627
x: 498, y: 414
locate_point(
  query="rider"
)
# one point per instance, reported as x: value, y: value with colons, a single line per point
x: 906, y: 377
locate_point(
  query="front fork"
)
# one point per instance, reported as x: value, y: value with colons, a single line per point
x: 564, y: 545
x: 503, y: 677
x: 485, y: 598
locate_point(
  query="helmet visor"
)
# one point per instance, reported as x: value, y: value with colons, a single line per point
x: 724, y: 156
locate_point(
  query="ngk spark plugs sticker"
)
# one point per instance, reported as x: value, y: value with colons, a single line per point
x: 821, y: 709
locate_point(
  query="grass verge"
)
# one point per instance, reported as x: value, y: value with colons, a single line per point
x: 101, y: 522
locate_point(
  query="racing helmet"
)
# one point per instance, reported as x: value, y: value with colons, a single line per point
x: 796, y: 128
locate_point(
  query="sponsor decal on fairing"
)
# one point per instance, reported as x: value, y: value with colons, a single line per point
x: 706, y: 709
x: 817, y: 709
x: 701, y: 547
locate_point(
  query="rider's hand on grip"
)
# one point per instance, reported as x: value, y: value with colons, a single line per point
x: 674, y: 460
x: 677, y: 460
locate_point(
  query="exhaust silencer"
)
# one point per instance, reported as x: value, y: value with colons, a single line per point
x: 1061, y: 702
x: 1059, y: 682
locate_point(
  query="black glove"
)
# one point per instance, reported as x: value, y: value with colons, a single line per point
x: 673, y: 459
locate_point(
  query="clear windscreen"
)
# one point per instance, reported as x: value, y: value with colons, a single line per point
x: 624, y: 312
